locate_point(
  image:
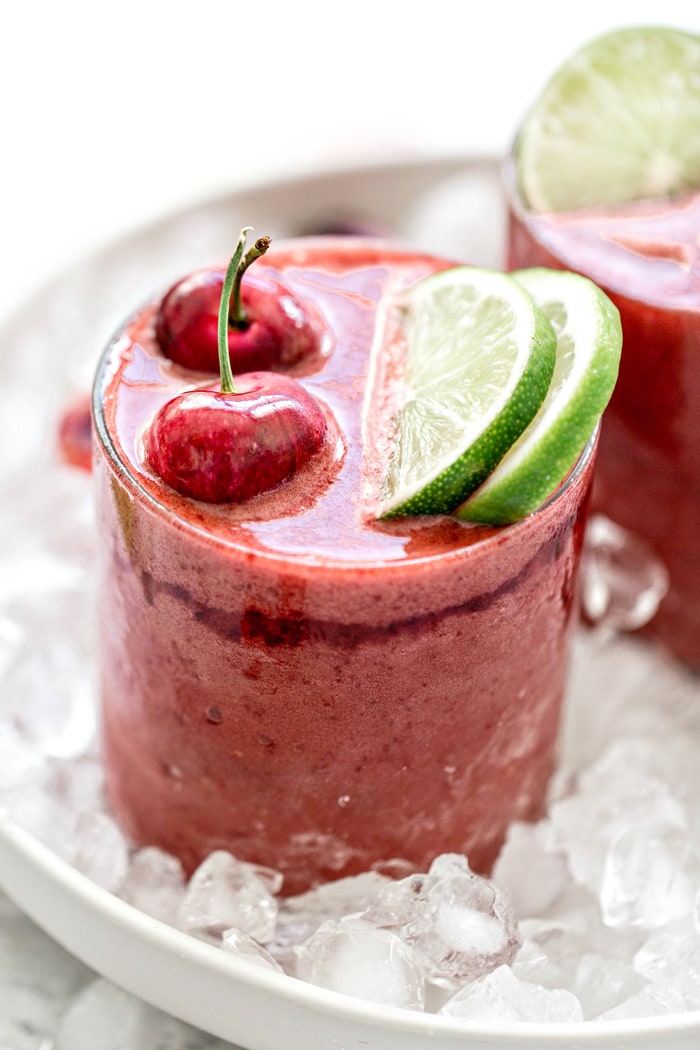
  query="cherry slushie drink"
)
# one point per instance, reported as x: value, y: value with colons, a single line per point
x: 286, y: 676
x: 605, y: 180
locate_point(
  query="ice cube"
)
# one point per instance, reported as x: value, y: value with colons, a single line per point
x: 459, y: 924
x: 672, y: 956
x: 356, y: 958
x: 288, y: 937
x: 603, y: 982
x: 225, y: 892
x: 300, y: 916
x: 622, y: 580
x: 332, y: 900
x: 618, y: 687
x: 50, y: 807
x: 532, y: 874
x: 50, y: 698
x: 555, y: 943
x: 612, y: 797
x: 547, y: 957
x: 77, y: 784
x: 32, y: 574
x: 35, y: 810
x: 500, y: 996
x: 244, y: 947
x: 155, y: 884
x: 650, y: 875
x: 653, y: 1000
x: 20, y: 762
x: 99, y: 849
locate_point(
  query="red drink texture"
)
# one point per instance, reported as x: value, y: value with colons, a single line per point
x: 646, y: 256
x: 302, y: 685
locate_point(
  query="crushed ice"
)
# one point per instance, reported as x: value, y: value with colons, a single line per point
x: 593, y: 913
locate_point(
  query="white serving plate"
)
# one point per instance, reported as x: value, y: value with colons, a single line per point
x: 449, y: 205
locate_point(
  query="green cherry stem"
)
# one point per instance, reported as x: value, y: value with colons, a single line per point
x: 227, y: 384
x: 232, y: 289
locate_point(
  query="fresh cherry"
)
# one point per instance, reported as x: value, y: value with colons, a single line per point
x: 267, y: 326
x: 228, y: 447
x: 75, y: 434
x: 232, y: 444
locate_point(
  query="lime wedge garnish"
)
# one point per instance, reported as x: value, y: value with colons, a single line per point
x: 618, y: 122
x: 476, y: 359
x: 589, y: 341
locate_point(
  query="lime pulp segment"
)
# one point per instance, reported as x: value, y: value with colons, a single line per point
x: 479, y: 357
x: 619, y: 121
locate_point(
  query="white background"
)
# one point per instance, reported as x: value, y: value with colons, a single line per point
x: 114, y: 114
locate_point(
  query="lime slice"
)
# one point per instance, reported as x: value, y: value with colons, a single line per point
x: 589, y: 341
x: 476, y: 359
x: 618, y: 122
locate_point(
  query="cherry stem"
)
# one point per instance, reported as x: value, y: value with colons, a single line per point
x: 232, y: 289
x: 237, y: 317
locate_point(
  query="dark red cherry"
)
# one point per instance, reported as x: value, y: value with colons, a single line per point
x: 274, y: 334
x: 75, y: 434
x: 224, y: 447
